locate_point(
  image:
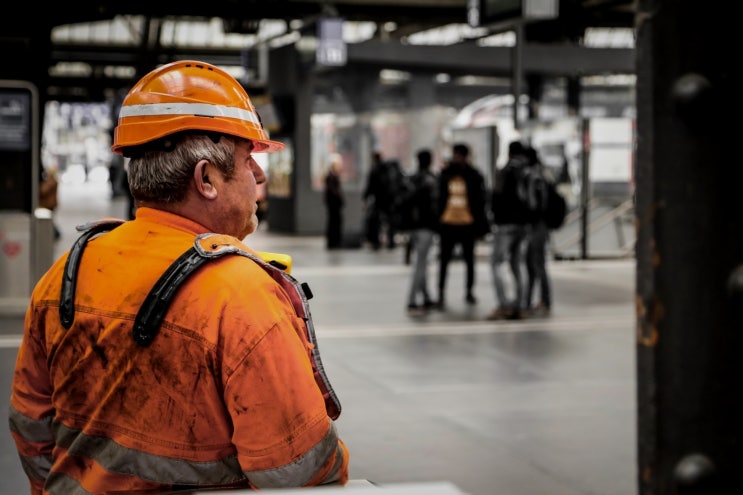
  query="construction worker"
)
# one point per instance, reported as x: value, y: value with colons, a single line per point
x: 162, y: 353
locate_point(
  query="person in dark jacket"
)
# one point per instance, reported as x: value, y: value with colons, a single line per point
x: 463, y: 217
x: 511, y: 217
x: 538, y: 277
x: 334, y: 202
x: 423, y: 215
x: 380, y: 197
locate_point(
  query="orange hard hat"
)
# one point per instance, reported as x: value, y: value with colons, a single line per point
x: 188, y: 96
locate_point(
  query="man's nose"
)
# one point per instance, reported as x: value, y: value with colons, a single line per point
x: 258, y: 173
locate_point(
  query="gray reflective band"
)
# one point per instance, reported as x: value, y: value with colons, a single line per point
x: 32, y: 430
x: 197, y: 109
x: 303, y: 469
x: 118, y: 459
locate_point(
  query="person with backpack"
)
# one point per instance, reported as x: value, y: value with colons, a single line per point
x: 421, y: 214
x: 380, y: 199
x: 463, y: 217
x: 512, y: 213
x: 538, y: 236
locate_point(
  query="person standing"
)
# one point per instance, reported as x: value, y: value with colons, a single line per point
x: 380, y: 196
x: 538, y: 238
x: 463, y: 218
x: 334, y: 202
x: 422, y: 212
x: 511, y: 216
x: 163, y: 353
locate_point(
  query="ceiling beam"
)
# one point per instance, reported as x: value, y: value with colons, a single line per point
x: 548, y: 60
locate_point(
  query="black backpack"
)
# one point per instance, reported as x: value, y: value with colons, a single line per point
x: 557, y: 208
x: 417, y: 205
x: 510, y: 202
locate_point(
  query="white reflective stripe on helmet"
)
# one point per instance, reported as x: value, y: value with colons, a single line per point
x: 197, y: 109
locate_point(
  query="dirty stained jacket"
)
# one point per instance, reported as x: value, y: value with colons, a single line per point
x: 225, y: 395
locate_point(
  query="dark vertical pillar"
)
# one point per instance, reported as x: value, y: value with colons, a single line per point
x: 19, y: 175
x: 309, y: 210
x: 19, y: 48
x: 149, y: 46
x: 585, y: 188
x: 517, y: 72
x: 573, y: 90
x: 689, y: 249
x: 573, y: 95
x: 285, y: 80
x: 535, y: 88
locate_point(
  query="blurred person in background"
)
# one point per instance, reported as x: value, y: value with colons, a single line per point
x: 380, y: 197
x: 511, y: 215
x: 538, y: 238
x: 334, y: 202
x: 421, y: 210
x: 463, y: 218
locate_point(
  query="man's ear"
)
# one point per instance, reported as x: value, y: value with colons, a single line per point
x: 201, y: 179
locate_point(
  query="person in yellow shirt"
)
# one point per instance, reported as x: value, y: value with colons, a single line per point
x: 163, y: 353
x: 463, y: 219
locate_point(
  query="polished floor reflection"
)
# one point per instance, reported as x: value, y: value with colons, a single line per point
x: 533, y: 407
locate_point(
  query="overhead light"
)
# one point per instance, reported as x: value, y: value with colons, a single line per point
x: 120, y: 71
x: 288, y: 39
x: 389, y: 76
x: 507, y: 38
x: 609, y: 38
x: 70, y: 69
x: 445, y: 35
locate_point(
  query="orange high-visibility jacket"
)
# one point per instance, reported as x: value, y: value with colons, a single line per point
x: 225, y: 395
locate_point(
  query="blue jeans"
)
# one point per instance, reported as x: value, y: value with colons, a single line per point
x: 508, y: 265
x: 422, y: 241
x: 536, y: 256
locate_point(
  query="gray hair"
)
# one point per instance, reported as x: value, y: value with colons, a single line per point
x: 161, y: 174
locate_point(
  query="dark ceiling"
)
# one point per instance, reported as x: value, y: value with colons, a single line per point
x: 410, y: 15
x: 32, y: 28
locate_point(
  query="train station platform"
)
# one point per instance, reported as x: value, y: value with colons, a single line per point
x: 540, y: 406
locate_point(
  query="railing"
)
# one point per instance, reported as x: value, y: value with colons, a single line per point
x: 618, y: 214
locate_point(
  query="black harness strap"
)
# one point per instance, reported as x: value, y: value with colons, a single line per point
x: 72, y: 265
x: 152, y: 312
x: 150, y: 316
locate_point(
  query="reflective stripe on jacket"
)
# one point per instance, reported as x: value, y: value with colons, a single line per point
x: 225, y: 395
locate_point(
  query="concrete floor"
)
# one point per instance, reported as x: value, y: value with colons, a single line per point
x: 533, y: 407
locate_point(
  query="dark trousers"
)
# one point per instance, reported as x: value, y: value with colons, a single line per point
x: 449, y: 237
x: 334, y: 229
x: 380, y: 222
x: 536, y: 257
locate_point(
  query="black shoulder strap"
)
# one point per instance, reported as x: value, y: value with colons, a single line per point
x: 152, y: 312
x: 150, y: 316
x: 72, y: 265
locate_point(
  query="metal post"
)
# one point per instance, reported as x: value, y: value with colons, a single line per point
x: 689, y: 249
x: 585, y: 188
x: 517, y: 73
